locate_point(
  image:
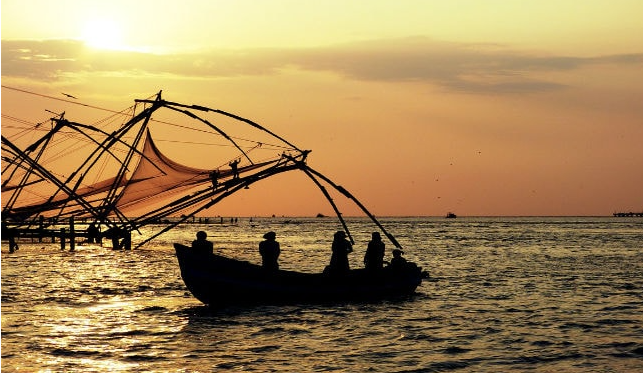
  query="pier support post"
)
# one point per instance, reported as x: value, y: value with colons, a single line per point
x: 72, y: 235
x: 62, y: 238
x: 41, y: 227
x: 128, y: 240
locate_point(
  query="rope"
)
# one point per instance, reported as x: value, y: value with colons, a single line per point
x: 60, y: 99
x: 122, y: 113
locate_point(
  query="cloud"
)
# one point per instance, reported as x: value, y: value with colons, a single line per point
x: 455, y: 66
x: 474, y: 68
x: 39, y: 59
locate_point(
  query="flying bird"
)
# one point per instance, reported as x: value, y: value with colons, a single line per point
x: 70, y: 96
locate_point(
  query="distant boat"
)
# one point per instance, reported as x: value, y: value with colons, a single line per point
x: 628, y: 214
x: 451, y: 215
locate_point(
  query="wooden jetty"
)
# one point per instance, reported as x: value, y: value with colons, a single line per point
x: 64, y: 234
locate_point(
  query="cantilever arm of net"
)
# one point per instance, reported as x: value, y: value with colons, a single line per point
x: 230, y: 115
x: 330, y: 200
x: 45, y: 173
x: 358, y: 203
x: 192, y: 115
x: 104, y: 146
x: 113, y: 138
x: 110, y: 201
x: 93, y: 160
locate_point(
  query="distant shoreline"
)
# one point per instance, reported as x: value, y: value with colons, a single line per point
x: 628, y: 214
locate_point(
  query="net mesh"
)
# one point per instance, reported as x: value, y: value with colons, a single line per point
x: 114, y: 168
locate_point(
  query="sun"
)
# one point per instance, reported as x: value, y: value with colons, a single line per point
x: 103, y: 34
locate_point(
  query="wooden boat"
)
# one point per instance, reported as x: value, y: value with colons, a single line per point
x: 216, y: 280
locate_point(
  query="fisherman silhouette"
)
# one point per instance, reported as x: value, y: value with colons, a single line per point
x: 398, y: 262
x: 374, y: 257
x: 269, y: 250
x: 92, y: 233
x: 115, y: 233
x: 201, y: 245
x: 339, y: 259
x: 235, y: 170
x: 121, y: 238
x: 214, y: 177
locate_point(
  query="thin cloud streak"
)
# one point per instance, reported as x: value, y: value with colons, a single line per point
x: 469, y: 68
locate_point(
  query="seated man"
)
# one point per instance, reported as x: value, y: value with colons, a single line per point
x: 398, y: 262
x: 374, y: 257
x: 201, y: 244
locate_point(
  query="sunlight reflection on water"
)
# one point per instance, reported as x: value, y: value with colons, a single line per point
x: 513, y: 294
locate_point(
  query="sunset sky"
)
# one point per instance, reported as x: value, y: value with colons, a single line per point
x: 493, y: 107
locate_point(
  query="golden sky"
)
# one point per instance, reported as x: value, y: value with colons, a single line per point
x: 417, y: 107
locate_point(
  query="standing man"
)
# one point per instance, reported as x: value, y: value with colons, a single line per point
x: 374, y: 258
x: 341, y: 248
x: 234, y: 166
x: 269, y: 250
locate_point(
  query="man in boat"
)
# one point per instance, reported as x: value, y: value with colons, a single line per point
x: 339, y: 259
x: 201, y: 244
x: 269, y: 250
x: 374, y: 257
x: 398, y: 262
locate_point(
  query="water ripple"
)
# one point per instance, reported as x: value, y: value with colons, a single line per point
x: 511, y: 295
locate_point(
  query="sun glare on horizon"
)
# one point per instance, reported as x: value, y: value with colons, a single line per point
x: 103, y: 34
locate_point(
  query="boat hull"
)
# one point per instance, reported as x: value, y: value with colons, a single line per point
x: 216, y: 280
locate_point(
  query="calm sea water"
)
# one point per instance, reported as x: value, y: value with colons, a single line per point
x: 505, y: 295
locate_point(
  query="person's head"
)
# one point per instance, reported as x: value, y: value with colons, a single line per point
x: 340, y: 234
x: 270, y: 236
x: 397, y: 253
x: 376, y: 236
x: 201, y: 235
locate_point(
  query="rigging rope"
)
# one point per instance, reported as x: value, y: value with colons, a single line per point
x: 59, y: 99
x: 132, y: 110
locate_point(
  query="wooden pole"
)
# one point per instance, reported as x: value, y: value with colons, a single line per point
x: 41, y: 227
x: 62, y: 238
x: 127, y: 240
x: 72, y: 235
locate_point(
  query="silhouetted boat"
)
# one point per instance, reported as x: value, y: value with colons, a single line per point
x: 451, y: 215
x: 216, y: 280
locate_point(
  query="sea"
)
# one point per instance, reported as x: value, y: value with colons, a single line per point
x: 505, y: 294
